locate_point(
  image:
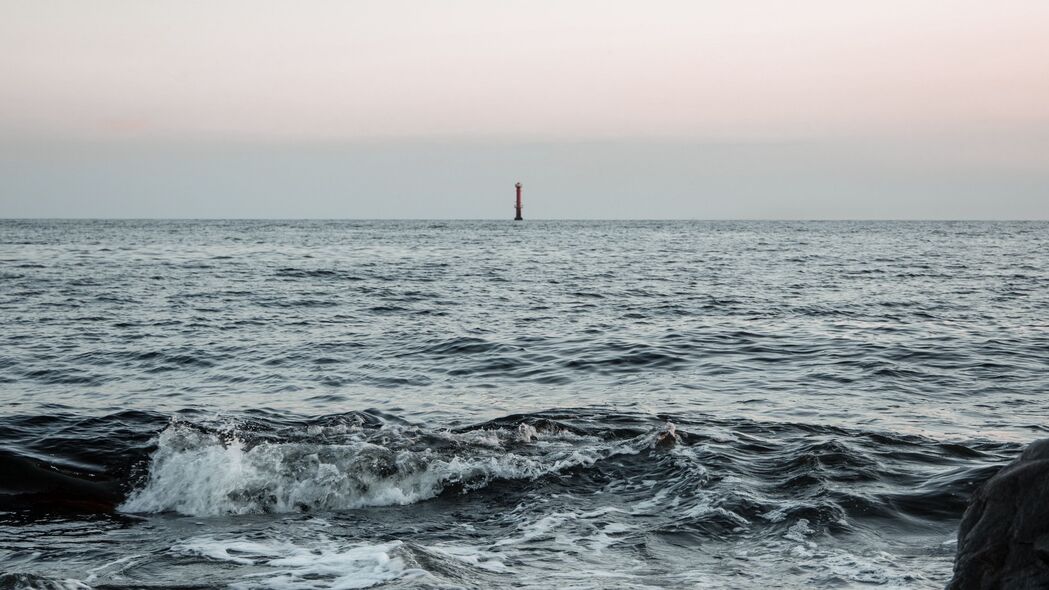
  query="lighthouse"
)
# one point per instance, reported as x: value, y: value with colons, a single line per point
x: 518, y: 206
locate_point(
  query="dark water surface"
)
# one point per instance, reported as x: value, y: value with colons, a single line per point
x: 303, y: 405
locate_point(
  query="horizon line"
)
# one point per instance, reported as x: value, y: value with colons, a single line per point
x: 545, y: 219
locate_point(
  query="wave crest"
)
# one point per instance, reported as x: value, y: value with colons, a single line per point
x: 199, y: 473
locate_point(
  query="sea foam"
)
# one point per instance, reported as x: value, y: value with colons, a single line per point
x: 198, y: 473
x: 294, y: 567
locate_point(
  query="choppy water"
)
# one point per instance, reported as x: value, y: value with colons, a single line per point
x: 482, y: 404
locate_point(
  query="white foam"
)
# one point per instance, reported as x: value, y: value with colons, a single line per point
x: 655, y: 502
x: 798, y: 531
x: 293, y: 567
x: 487, y: 560
x: 834, y: 563
x: 527, y: 433
x: 602, y: 539
x: 539, y: 529
x: 114, y: 566
x: 202, y: 474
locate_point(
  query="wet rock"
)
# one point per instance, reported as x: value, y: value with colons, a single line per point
x: 1003, y: 540
x: 667, y: 438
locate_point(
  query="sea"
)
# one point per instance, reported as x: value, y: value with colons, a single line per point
x: 301, y: 405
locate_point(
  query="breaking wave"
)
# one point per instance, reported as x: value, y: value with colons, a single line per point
x: 430, y: 506
x: 203, y: 473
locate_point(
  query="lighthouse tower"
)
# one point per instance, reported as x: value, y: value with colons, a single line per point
x: 518, y: 206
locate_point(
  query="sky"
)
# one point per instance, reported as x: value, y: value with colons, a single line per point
x: 766, y: 109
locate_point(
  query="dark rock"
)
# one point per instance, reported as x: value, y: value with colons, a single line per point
x: 1003, y: 540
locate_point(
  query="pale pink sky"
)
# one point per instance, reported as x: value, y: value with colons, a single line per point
x: 603, y: 108
x: 750, y: 69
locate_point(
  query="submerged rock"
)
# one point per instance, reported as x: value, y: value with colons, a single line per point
x: 1003, y: 540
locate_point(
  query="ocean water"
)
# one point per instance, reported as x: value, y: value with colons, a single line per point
x: 547, y: 404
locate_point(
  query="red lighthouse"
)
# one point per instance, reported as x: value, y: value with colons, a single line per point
x: 518, y: 206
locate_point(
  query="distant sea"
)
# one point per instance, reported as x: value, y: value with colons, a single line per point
x: 490, y: 404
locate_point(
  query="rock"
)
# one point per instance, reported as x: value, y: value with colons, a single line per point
x: 667, y: 438
x: 1003, y: 540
